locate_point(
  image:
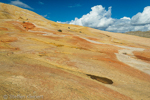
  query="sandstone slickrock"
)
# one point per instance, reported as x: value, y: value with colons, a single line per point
x: 79, y: 63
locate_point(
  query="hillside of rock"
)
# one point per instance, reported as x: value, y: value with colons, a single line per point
x: 45, y: 60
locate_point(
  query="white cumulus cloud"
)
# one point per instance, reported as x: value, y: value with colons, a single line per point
x: 100, y: 18
x: 97, y: 18
x: 20, y: 4
x: 142, y: 18
x: 120, y: 25
x: 126, y: 18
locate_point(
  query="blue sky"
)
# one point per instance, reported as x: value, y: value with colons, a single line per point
x: 113, y: 12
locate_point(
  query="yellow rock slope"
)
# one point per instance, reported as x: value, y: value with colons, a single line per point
x: 41, y: 59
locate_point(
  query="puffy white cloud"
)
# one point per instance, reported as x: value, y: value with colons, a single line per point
x: 97, y: 18
x: 124, y: 25
x: 20, y: 4
x: 120, y: 25
x: 142, y: 18
x: 100, y: 18
x: 128, y: 18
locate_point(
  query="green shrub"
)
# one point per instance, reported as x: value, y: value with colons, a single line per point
x: 59, y: 30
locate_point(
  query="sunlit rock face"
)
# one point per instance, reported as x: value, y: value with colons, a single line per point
x: 41, y: 59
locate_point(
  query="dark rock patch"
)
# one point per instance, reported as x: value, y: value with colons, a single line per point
x: 101, y: 79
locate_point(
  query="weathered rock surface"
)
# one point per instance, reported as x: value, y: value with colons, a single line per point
x: 79, y: 63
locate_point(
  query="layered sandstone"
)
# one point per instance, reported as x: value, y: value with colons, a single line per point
x: 79, y: 63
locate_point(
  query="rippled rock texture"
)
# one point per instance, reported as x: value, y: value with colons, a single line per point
x: 41, y: 59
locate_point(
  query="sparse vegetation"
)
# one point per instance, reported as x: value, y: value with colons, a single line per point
x: 140, y: 33
x: 125, y: 53
x: 21, y: 18
x: 59, y: 30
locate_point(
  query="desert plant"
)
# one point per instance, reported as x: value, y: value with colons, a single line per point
x: 59, y: 30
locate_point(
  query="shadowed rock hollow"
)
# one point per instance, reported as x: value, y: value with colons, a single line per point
x: 76, y: 63
x: 101, y: 79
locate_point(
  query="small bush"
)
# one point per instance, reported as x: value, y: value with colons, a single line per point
x: 59, y: 30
